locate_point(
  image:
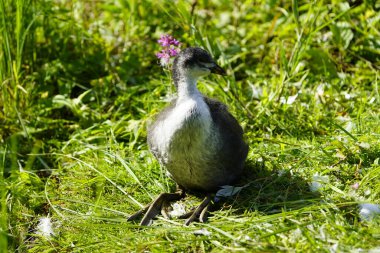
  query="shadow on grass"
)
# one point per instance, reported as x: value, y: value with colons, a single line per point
x: 266, y: 191
x: 270, y: 191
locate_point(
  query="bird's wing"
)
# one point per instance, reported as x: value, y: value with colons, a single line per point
x: 234, y: 148
x: 223, y: 118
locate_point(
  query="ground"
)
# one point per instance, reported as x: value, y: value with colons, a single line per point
x: 80, y: 82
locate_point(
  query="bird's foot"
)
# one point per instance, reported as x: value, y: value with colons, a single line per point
x: 159, y: 205
x: 200, y: 213
x: 162, y: 203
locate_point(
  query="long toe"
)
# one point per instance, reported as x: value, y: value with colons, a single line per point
x: 204, y: 214
x: 165, y: 209
x: 188, y: 214
x: 201, y: 211
x: 157, y: 205
x: 138, y: 213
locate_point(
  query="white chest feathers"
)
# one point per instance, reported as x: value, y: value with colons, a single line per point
x: 186, y: 126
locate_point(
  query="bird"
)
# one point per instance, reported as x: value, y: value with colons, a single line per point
x: 195, y: 138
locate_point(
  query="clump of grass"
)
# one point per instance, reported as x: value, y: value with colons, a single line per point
x: 79, y: 90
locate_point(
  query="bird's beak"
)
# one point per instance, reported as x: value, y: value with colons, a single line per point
x: 216, y: 69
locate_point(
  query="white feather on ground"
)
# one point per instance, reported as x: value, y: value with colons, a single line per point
x: 45, y: 227
x: 368, y: 211
x: 318, y: 182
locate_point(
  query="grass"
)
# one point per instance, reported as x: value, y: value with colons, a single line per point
x: 80, y: 83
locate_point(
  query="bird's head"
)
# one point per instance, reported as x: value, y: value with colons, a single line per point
x: 195, y: 62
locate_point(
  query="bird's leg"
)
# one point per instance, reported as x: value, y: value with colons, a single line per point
x: 157, y: 206
x: 201, y: 211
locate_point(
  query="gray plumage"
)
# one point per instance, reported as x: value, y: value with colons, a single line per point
x: 197, y: 140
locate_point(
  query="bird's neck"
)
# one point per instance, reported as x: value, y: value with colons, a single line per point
x: 187, y: 88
